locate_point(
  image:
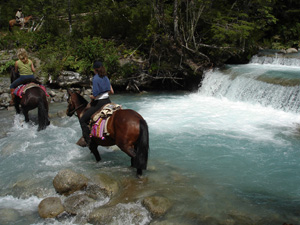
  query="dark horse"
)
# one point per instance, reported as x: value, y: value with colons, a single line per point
x: 13, y: 22
x: 34, y: 97
x: 127, y: 129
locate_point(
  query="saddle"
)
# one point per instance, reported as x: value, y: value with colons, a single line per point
x: 21, y: 89
x: 99, y: 120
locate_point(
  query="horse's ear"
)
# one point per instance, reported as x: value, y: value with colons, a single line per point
x: 69, y: 91
x: 80, y: 91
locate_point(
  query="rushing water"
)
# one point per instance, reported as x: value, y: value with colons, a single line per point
x: 228, y: 154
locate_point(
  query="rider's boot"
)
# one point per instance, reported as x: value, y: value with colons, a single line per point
x: 12, y: 101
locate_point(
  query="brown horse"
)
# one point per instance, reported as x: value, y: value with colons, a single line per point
x: 13, y: 22
x: 34, y: 97
x: 127, y: 129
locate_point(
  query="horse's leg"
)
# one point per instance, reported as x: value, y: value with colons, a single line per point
x: 93, y: 147
x: 139, y: 171
x: 26, y: 115
x: 17, y: 106
x: 128, y: 148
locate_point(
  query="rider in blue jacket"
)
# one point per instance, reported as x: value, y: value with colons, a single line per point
x: 100, y: 97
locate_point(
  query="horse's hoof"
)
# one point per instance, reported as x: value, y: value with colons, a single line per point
x: 81, y: 142
x: 139, y: 173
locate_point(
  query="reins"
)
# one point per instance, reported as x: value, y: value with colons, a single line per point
x: 78, y: 107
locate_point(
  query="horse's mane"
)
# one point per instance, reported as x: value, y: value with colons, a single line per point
x: 81, y: 99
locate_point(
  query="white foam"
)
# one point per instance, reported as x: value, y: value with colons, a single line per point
x: 24, y: 206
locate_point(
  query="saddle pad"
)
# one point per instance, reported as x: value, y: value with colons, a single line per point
x: 106, y: 111
x: 99, y: 129
x: 21, y: 89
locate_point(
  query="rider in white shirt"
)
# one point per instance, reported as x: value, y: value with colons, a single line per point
x: 20, y: 18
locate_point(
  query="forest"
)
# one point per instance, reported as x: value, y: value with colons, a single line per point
x: 151, y: 44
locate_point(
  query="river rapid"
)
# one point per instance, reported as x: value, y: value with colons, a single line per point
x: 226, y: 154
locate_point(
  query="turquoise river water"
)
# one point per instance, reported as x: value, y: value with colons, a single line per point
x: 226, y: 154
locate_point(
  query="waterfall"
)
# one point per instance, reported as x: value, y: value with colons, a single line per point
x: 269, y: 81
x: 276, y: 59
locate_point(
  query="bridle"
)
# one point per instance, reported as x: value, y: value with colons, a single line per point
x: 78, y: 107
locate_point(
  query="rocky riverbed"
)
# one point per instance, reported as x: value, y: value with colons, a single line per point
x: 94, y: 200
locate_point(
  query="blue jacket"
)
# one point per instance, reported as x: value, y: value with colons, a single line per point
x: 100, y: 85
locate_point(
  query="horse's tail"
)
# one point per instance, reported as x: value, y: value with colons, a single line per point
x: 142, y: 147
x: 9, y: 28
x: 43, y: 114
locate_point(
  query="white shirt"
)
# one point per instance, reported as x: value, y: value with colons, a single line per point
x: 102, y: 96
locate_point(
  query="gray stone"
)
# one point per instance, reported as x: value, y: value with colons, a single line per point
x: 67, y: 78
x: 67, y: 182
x: 96, y: 192
x: 135, y: 214
x: 50, y: 207
x: 75, y: 203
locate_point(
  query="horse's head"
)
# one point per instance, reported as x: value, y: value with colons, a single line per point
x: 75, y: 102
x: 13, y: 74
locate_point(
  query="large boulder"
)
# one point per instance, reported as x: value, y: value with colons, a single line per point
x: 70, y: 78
x: 291, y: 50
x: 50, y: 207
x: 67, y: 182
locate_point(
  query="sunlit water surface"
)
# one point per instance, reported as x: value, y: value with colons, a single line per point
x: 228, y: 154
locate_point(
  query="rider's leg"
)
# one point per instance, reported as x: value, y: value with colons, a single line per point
x: 85, y: 118
x: 84, y: 123
x: 12, y: 101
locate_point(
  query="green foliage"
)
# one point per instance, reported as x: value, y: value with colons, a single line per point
x: 108, y: 30
x: 4, y: 68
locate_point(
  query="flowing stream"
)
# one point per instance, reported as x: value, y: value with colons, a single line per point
x: 227, y: 154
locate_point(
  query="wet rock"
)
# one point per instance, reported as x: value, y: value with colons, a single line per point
x: 76, y: 203
x: 291, y: 50
x: 132, y: 190
x: 95, y: 192
x: 50, y: 207
x: 4, y: 99
x: 61, y: 113
x: 68, y: 78
x: 158, y: 206
x: 108, y: 184
x: 67, y: 182
x: 167, y: 222
x: 8, y: 216
x: 58, y: 95
x: 102, y: 216
x: 131, y: 213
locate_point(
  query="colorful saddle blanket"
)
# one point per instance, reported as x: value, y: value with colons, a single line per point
x: 99, y: 129
x: 100, y: 119
x: 21, y: 89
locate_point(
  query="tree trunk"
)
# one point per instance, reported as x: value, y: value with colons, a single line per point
x: 175, y: 14
x: 69, y: 15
